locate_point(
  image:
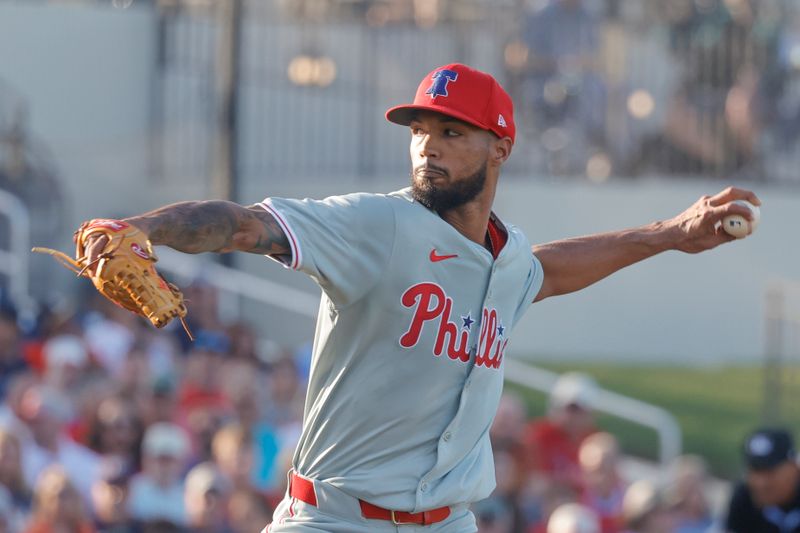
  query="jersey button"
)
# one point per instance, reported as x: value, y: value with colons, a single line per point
x: 447, y: 435
x: 423, y: 487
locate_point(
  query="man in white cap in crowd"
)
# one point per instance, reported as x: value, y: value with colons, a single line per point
x: 206, y: 498
x: 156, y: 493
x: 45, y: 417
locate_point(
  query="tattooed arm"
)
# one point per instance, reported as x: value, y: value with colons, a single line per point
x: 213, y: 226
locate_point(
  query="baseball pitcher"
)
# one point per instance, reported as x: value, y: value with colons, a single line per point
x: 421, y: 290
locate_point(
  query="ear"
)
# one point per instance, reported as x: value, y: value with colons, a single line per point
x: 500, y: 150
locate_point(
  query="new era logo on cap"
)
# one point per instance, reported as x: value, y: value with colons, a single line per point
x: 464, y: 93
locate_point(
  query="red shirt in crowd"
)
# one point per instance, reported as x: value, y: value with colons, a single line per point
x: 553, y: 452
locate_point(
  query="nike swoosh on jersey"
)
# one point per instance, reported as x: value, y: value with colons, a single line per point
x: 435, y: 258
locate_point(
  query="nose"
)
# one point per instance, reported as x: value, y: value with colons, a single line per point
x: 428, y: 147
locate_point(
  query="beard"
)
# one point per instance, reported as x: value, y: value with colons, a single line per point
x: 456, y: 194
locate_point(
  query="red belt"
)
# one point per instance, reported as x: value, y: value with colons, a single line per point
x: 303, y: 489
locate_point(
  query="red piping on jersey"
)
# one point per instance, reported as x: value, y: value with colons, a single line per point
x: 497, y: 236
x: 285, y: 227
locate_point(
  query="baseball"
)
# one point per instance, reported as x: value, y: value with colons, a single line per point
x: 737, y: 225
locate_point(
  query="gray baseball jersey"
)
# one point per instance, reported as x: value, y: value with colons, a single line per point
x: 407, y: 361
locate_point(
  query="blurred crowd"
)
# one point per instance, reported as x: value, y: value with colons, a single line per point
x: 560, y: 473
x: 110, y: 426
x: 689, y: 87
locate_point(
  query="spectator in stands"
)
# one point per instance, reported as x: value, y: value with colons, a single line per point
x: 12, y: 479
x: 156, y: 493
x: 205, y: 312
x: 206, y: 499
x: 552, y: 443
x: 116, y: 431
x: 246, y: 508
x: 542, y: 499
x: 769, y: 499
x: 686, y: 495
x: 12, y: 360
x: 7, y: 522
x: 202, y: 401
x: 86, y: 399
x: 66, y: 357
x: 286, y: 394
x: 564, y: 82
x: 284, y: 413
x: 494, y: 515
x: 57, y: 505
x: 243, y: 342
x: 508, y: 427
x: 232, y: 452
x: 510, y: 480
x: 201, y: 385
x: 643, y: 509
x: 110, y: 333
x: 283, y: 463
x: 11, y: 409
x: 160, y: 402
x: 45, y: 417
x: 246, y: 384
x: 137, y: 373
x: 162, y: 526
x: 603, y: 488
x: 573, y: 518
x: 730, y: 83
x: 110, y: 498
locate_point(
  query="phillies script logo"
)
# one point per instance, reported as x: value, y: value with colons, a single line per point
x: 431, y: 304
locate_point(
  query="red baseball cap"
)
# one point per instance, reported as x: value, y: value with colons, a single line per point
x: 464, y: 93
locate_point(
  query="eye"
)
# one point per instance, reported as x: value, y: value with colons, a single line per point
x: 451, y: 133
x: 416, y: 130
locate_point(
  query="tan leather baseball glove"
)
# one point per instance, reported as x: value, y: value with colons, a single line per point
x: 124, y: 271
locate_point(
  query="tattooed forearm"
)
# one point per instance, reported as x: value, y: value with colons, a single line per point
x: 213, y: 226
x: 190, y: 227
x: 268, y: 237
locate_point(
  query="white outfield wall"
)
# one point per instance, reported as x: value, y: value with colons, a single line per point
x: 675, y: 308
